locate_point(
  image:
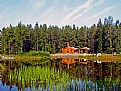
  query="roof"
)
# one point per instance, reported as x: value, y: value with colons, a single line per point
x: 86, y: 48
x: 72, y: 48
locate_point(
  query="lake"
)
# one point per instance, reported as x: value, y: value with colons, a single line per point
x: 64, y: 74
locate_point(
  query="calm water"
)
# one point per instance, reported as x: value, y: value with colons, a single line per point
x: 60, y: 75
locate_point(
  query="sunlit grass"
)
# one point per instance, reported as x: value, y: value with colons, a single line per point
x: 17, y: 57
x: 104, y: 57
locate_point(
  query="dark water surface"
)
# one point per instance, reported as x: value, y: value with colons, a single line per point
x: 65, y: 74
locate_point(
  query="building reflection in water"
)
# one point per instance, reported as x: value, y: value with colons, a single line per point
x: 68, y: 61
x: 71, y: 61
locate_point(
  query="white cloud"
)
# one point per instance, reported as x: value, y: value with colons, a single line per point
x: 79, y: 8
x: 87, y: 9
x: 99, y: 13
x: 37, y: 3
x: 47, y: 15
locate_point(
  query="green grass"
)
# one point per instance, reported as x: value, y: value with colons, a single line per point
x: 33, y: 75
x: 32, y: 55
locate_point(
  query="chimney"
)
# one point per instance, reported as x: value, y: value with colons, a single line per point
x: 68, y: 44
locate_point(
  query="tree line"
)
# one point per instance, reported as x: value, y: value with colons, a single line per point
x: 104, y: 37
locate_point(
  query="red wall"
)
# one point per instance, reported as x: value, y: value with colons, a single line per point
x: 67, y: 50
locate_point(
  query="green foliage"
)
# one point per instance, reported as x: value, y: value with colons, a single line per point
x: 22, y: 38
x: 36, y: 53
x: 41, y: 76
x: 104, y: 76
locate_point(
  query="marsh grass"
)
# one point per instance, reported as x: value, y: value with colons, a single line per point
x: 32, y: 55
x: 17, y: 57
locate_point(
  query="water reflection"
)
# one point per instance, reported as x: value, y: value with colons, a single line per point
x: 68, y: 61
x: 67, y: 74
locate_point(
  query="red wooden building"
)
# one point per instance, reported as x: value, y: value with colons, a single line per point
x: 69, y: 49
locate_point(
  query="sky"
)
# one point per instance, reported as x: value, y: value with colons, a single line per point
x: 57, y: 12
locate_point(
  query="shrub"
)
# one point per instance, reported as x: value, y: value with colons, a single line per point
x: 36, y: 53
x: 41, y: 53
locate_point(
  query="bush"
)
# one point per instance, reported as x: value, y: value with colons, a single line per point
x: 36, y: 53
x: 41, y: 53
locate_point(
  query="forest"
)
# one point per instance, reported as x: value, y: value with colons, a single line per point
x: 104, y: 37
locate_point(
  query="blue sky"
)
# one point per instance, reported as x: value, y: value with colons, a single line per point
x: 57, y: 12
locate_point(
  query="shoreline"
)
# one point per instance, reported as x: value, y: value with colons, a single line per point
x: 103, y: 57
x: 67, y: 55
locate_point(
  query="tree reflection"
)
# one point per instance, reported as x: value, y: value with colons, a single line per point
x: 55, y: 74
